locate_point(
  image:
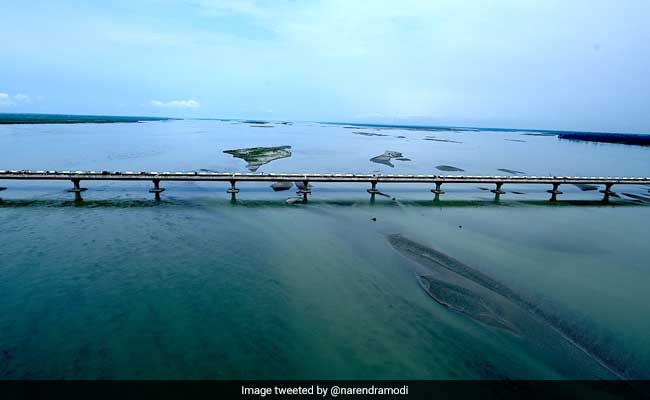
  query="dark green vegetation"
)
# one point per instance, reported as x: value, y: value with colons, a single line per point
x: 8, y: 119
x: 258, y: 156
x: 621, y: 138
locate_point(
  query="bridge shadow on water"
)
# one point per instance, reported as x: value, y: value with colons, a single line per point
x: 274, y: 203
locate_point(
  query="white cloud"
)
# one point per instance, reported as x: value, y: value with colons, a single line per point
x: 8, y: 100
x: 331, y: 59
x: 176, y: 104
x: 5, y: 100
x: 22, y: 98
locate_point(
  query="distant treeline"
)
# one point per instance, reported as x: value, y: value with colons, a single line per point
x: 600, y: 137
x: 71, y: 119
x: 623, y: 138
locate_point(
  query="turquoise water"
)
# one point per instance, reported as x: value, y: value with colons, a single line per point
x: 119, y: 286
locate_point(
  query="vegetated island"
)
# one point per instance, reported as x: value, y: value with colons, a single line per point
x: 14, y: 119
x: 258, y: 156
x: 388, y: 155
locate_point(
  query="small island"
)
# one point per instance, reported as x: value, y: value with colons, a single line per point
x: 449, y: 168
x: 258, y: 156
x: 388, y: 155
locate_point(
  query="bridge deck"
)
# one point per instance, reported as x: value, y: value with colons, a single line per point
x: 272, y: 177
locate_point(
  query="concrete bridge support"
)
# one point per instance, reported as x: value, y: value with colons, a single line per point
x: 437, y: 191
x: 156, y: 189
x: 373, y: 190
x: 302, y: 180
x: 77, y: 189
x: 554, y: 192
x: 233, y: 190
x: 498, y: 192
x: 607, y: 192
x: 304, y: 190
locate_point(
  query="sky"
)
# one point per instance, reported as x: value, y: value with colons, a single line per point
x: 546, y: 64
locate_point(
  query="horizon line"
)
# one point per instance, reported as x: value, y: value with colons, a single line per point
x: 359, y: 124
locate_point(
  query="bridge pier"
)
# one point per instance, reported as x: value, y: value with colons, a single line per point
x: 233, y: 190
x: 77, y: 189
x: 437, y: 191
x: 554, y: 192
x: 607, y: 192
x: 498, y: 192
x: 498, y: 188
x: 156, y: 189
x: 373, y: 190
x: 304, y: 190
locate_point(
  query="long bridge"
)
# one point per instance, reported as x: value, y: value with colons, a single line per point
x: 303, y: 180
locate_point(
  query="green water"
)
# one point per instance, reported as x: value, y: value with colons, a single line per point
x: 119, y: 286
x: 206, y: 289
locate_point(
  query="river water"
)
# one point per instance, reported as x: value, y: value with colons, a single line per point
x: 194, y: 286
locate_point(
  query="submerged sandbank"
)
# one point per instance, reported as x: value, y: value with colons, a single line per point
x: 470, y: 292
x: 449, y: 168
x: 510, y: 171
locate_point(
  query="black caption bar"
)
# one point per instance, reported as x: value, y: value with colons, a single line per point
x: 261, y: 390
